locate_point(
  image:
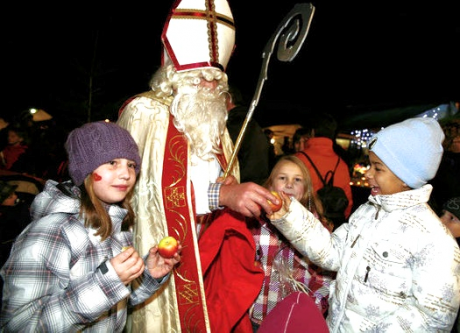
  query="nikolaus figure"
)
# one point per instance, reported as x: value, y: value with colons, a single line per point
x: 180, y: 127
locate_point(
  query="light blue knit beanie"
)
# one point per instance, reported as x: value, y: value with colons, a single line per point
x: 411, y: 149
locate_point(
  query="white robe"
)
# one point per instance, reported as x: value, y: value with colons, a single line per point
x: 147, y: 119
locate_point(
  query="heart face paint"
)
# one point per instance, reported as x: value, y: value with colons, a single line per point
x: 96, y: 177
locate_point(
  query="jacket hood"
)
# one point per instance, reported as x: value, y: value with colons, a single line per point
x: 56, y: 198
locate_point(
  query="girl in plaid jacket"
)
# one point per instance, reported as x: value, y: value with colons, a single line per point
x: 286, y: 270
x: 74, y: 268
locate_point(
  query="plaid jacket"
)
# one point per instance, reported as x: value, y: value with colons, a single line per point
x: 286, y: 271
x: 52, y: 280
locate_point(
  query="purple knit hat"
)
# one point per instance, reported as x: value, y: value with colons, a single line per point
x: 97, y: 143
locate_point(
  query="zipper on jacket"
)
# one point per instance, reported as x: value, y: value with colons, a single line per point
x: 367, y: 274
x: 377, y: 213
x: 354, y: 242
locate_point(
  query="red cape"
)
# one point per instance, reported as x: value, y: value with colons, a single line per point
x: 232, y: 276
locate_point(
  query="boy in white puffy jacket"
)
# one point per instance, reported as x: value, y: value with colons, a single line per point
x: 397, y: 265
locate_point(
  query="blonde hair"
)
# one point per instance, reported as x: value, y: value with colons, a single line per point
x: 95, y: 214
x: 309, y: 198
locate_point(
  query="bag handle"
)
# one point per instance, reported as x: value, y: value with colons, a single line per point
x: 314, y: 167
x: 331, y: 173
x: 324, y: 180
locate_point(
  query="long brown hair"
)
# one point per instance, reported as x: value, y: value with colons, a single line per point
x: 95, y: 213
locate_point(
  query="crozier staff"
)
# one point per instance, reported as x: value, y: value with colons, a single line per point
x: 180, y: 127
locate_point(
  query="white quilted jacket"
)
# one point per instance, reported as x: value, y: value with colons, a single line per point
x: 398, y: 266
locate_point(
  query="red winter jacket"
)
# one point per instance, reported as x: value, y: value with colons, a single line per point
x: 322, y: 154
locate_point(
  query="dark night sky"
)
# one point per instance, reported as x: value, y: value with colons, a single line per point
x: 357, y: 56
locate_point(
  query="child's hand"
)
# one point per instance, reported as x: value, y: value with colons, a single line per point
x: 128, y: 265
x: 159, y: 266
x: 284, y: 208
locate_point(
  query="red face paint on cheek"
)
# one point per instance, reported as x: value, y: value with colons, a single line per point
x: 96, y: 177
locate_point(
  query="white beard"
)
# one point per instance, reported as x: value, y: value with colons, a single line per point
x: 200, y: 114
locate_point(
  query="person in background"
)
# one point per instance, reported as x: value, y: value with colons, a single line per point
x: 300, y: 138
x: 287, y: 147
x: 386, y: 254
x: 450, y: 217
x: 15, y: 149
x: 446, y: 183
x: 8, y: 196
x: 254, y: 151
x: 71, y: 269
x: 46, y: 153
x: 3, y: 133
x: 286, y: 270
x: 180, y: 127
x: 320, y: 148
x: 14, y: 217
